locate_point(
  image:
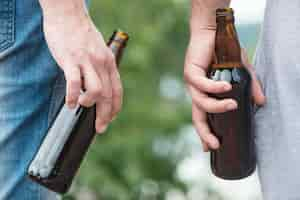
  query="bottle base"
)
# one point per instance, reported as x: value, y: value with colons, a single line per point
x: 232, y: 178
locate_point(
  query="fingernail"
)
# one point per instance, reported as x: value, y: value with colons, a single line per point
x: 113, y: 119
x: 102, y: 129
x: 231, y: 106
x: 215, y: 144
x: 227, y: 87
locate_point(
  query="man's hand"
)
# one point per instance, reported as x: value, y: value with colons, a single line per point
x: 198, y: 58
x: 79, y: 49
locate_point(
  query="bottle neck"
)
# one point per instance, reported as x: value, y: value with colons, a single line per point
x: 117, y: 43
x: 227, y: 45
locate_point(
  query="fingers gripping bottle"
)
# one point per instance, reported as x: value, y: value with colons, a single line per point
x: 235, y: 159
x: 68, y: 138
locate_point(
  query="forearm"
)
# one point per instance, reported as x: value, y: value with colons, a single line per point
x: 203, y: 14
x: 64, y: 7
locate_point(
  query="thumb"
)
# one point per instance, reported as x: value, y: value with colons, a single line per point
x: 257, y: 92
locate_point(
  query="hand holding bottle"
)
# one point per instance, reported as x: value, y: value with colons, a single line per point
x: 69, y: 136
x: 198, y: 59
x: 81, y: 52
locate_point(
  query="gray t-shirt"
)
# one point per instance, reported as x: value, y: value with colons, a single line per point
x: 278, y: 123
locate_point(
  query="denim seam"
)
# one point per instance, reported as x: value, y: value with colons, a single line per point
x: 9, y: 37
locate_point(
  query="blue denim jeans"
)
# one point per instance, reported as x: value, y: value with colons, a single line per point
x: 31, y: 85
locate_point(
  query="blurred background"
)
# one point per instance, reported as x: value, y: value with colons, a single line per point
x: 151, y: 151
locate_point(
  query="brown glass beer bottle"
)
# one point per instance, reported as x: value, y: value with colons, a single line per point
x: 235, y: 159
x: 68, y: 138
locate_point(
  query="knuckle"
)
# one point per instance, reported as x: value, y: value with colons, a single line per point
x: 95, y: 93
x: 110, y: 60
x: 79, y: 54
x: 86, y: 102
x: 107, y: 94
x: 211, y: 105
x: 186, y: 75
x: 105, y: 57
x: 208, y: 85
x: 71, y: 96
x: 215, y: 89
x: 202, y: 142
x: 100, y: 58
x: 110, y: 56
x: 200, y: 104
x: 202, y: 135
x: 70, y: 99
x: 204, y: 139
x: 211, y: 108
x: 203, y: 103
x: 219, y: 108
x: 106, y: 119
x: 98, y: 122
x: 198, y: 123
x: 118, y: 91
x: 194, y: 120
x: 99, y: 118
x: 74, y: 82
x: 223, y: 107
x: 210, y: 88
x: 106, y: 99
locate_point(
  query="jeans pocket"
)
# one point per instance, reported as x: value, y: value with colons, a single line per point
x: 7, y: 23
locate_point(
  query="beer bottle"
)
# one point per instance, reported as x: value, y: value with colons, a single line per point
x: 68, y: 138
x: 235, y: 159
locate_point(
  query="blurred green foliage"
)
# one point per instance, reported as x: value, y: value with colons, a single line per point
x: 125, y: 163
x: 122, y: 162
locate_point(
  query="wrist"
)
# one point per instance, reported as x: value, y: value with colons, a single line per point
x: 203, y: 14
x: 203, y: 22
